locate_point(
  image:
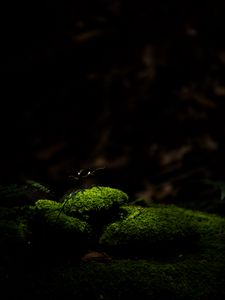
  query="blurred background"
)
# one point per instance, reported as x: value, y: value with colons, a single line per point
x: 134, y: 86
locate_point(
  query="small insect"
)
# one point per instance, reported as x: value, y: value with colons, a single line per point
x: 84, y: 173
x: 81, y: 175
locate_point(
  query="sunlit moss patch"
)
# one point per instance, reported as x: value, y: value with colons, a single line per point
x: 94, y: 202
x: 53, y: 227
x: 150, y: 229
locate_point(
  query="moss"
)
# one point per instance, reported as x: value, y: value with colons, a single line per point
x: 148, y: 230
x: 95, y: 203
x: 48, y: 205
x: 54, y: 229
x: 189, y: 275
x: 51, y: 214
x: 211, y: 228
x: 15, y: 233
x: 191, y: 279
x: 187, y: 279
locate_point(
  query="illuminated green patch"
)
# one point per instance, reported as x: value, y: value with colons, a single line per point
x: 150, y: 229
x: 48, y: 205
x: 94, y: 202
x: 52, y: 226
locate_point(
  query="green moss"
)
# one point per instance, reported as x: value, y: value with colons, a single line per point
x: 78, y: 215
x: 211, y: 228
x: 48, y: 205
x: 14, y: 230
x: 49, y: 213
x: 188, y: 275
x: 67, y: 223
x: 13, y: 234
x: 52, y: 228
x: 126, y: 279
x: 95, y: 203
x: 150, y: 229
x: 191, y: 279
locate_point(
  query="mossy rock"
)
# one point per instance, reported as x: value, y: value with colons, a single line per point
x: 97, y: 204
x: 144, y: 231
x: 53, y: 228
x: 46, y: 205
x: 52, y: 215
x: 188, y: 275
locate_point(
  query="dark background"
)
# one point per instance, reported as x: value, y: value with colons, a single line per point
x: 135, y: 86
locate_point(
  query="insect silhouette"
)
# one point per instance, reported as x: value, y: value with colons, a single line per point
x: 80, y: 177
x: 84, y: 173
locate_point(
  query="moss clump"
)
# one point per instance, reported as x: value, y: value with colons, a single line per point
x: 96, y: 204
x: 46, y: 205
x: 52, y: 228
x: 185, y: 279
x: 188, y: 275
x: 52, y: 218
x: 149, y: 230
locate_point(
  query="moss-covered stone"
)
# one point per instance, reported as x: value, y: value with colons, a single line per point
x: 65, y: 223
x: 53, y: 227
x: 95, y: 204
x: 148, y: 230
x: 48, y: 205
x: 188, y: 275
x: 187, y: 278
